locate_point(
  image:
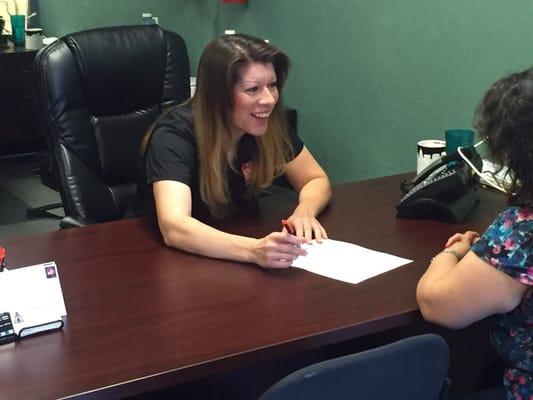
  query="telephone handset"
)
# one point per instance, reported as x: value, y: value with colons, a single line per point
x: 444, y: 190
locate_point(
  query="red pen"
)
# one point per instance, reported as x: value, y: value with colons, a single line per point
x: 286, y: 225
x: 2, y: 258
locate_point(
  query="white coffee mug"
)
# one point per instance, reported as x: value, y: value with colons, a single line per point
x: 34, y: 38
x: 428, y: 151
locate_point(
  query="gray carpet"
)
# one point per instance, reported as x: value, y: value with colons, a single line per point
x: 12, y: 209
x: 20, y: 189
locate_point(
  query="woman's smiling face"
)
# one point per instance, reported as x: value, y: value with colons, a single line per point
x: 255, y: 95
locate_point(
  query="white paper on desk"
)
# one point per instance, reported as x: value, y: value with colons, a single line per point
x: 346, y: 261
x: 32, y: 295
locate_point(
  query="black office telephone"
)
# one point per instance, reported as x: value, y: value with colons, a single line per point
x: 445, y: 190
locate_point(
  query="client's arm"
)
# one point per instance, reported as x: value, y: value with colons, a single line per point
x: 459, y: 289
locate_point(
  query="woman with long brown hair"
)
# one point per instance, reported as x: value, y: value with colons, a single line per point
x: 218, y: 151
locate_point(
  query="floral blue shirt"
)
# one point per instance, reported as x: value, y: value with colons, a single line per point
x: 508, y: 246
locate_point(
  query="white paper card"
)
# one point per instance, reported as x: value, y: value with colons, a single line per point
x: 346, y: 261
x: 32, y: 295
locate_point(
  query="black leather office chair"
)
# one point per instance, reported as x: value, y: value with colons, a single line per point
x: 410, y: 369
x: 97, y: 92
x: 49, y: 175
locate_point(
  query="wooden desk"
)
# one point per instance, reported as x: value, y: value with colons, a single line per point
x: 142, y: 316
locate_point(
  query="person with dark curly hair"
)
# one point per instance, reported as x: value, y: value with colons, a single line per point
x: 478, y: 276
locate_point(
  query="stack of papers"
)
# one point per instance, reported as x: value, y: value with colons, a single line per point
x: 345, y: 261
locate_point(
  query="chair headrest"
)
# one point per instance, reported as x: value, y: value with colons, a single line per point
x: 121, y: 68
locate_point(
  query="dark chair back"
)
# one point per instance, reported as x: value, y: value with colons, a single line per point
x: 97, y: 93
x: 410, y: 369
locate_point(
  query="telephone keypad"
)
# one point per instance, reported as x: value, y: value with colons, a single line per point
x: 444, y: 173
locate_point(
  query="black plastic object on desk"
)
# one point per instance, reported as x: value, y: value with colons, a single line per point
x: 445, y: 190
x: 7, y: 333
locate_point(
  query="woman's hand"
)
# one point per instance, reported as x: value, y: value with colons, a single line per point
x: 278, y: 250
x: 314, y: 192
x: 461, y: 242
x: 305, y: 225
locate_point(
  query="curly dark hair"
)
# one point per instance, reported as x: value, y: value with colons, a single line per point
x: 505, y: 119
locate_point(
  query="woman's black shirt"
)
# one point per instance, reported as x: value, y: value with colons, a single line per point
x: 172, y: 155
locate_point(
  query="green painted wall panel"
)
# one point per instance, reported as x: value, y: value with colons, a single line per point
x: 369, y: 78
x: 194, y: 20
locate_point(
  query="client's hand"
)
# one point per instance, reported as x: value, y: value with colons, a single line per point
x: 278, y: 250
x: 461, y: 242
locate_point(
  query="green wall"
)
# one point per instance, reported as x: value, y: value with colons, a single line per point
x: 369, y: 78
x: 194, y: 20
